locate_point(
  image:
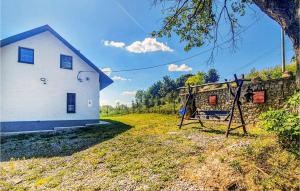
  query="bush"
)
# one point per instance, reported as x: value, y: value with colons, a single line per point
x: 273, y: 72
x: 284, y: 122
x: 167, y: 108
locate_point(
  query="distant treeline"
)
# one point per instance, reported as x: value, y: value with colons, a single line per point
x: 163, y: 96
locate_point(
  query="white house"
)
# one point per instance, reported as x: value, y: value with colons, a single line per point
x: 45, y: 83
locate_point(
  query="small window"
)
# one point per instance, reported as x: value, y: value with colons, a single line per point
x: 71, y: 103
x: 26, y: 55
x: 66, y: 62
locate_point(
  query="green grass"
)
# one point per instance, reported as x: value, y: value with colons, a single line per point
x: 147, y: 152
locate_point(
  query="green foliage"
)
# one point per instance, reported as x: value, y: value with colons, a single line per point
x: 154, y: 90
x: 181, y: 80
x: 161, y: 97
x: 168, y: 85
x: 236, y: 166
x: 119, y: 109
x: 271, y: 73
x: 201, y: 158
x: 284, y: 122
x: 295, y: 99
x: 197, y: 79
x: 196, y: 22
x: 212, y: 76
x: 139, y: 96
x: 167, y: 108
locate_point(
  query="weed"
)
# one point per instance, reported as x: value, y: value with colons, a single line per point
x: 43, y: 181
x: 236, y: 166
x: 201, y: 158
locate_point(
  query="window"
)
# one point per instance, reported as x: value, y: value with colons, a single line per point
x: 66, y: 62
x: 26, y: 55
x: 71, y: 103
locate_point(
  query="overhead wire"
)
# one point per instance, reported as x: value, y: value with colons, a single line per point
x: 190, y: 57
x: 254, y: 61
x: 248, y: 64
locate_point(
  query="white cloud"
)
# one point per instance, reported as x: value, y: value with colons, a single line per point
x: 103, y: 102
x: 119, y: 78
x: 177, y: 68
x: 148, y: 45
x: 106, y: 71
x: 114, y: 44
x: 129, y: 93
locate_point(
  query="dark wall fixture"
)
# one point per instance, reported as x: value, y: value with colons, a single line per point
x: 86, y: 78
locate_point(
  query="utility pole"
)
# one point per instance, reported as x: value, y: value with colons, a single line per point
x: 283, y: 50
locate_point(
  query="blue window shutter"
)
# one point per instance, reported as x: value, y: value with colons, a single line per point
x: 71, y: 103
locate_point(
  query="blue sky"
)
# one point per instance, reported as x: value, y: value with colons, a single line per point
x: 112, y: 35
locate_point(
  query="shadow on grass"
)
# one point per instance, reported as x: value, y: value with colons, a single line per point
x: 63, y: 143
x: 223, y: 132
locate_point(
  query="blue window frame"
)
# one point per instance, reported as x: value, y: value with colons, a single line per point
x: 71, y: 103
x: 26, y: 55
x: 66, y: 62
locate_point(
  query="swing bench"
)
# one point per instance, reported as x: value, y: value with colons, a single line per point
x: 212, y: 114
x: 217, y: 114
x: 207, y: 115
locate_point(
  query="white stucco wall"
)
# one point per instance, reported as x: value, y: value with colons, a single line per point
x: 25, y: 98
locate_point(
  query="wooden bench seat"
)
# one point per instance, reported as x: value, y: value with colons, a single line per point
x: 212, y: 114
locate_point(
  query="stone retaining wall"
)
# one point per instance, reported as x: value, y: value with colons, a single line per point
x: 276, y: 92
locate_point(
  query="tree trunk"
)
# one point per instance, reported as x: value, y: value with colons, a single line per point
x: 287, y: 14
x: 298, y: 67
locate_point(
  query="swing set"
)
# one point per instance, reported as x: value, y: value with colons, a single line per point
x: 236, y: 93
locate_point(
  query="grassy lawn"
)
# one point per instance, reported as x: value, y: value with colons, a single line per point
x: 147, y: 152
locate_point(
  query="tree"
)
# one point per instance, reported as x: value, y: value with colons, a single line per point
x: 211, y: 76
x: 139, y: 97
x: 146, y: 100
x: 181, y: 80
x: 106, y: 109
x: 196, y: 21
x: 253, y: 73
x: 132, y: 106
x: 197, y: 79
x: 168, y: 85
x: 155, y: 88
